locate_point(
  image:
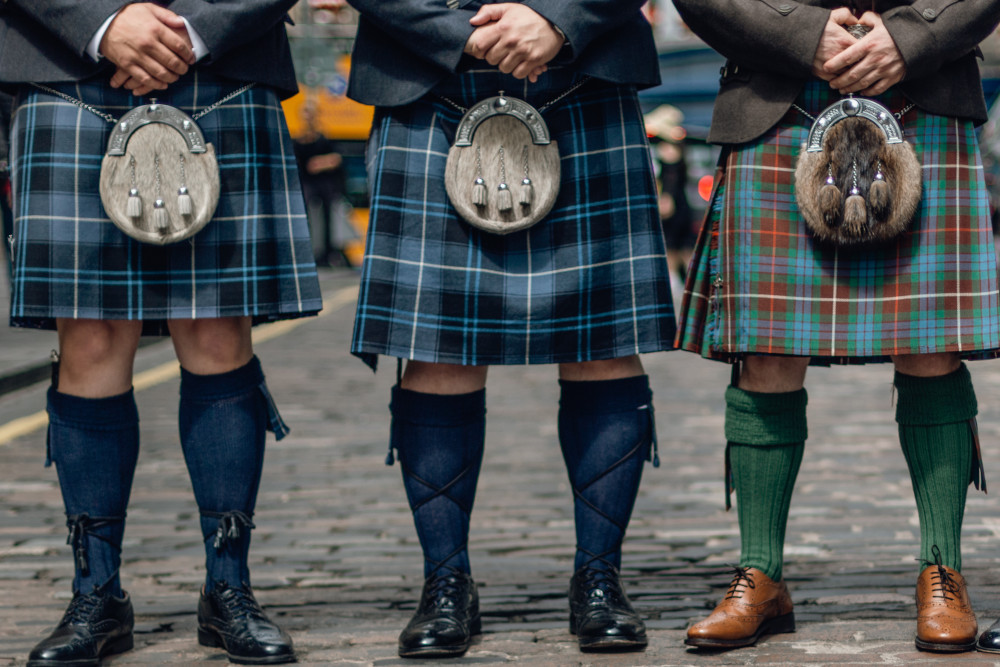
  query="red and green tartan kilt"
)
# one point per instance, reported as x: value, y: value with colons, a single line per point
x: 760, y: 284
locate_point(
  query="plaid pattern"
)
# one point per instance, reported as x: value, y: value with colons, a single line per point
x: 588, y: 282
x: 759, y: 284
x: 253, y: 259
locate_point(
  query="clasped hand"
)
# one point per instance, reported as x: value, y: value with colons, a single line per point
x: 514, y: 38
x: 867, y: 66
x: 150, y: 47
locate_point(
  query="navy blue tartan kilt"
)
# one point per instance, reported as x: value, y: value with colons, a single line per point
x: 252, y: 259
x: 588, y: 282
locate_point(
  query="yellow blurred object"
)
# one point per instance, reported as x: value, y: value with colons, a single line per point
x: 354, y: 249
x: 665, y: 122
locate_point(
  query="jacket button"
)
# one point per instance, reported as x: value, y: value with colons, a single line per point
x: 785, y: 9
x: 929, y: 14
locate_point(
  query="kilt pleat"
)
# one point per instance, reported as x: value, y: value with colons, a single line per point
x: 588, y: 282
x: 760, y: 284
x: 252, y: 259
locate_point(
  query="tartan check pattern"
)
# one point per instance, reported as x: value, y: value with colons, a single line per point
x: 760, y: 285
x: 253, y: 259
x: 588, y: 282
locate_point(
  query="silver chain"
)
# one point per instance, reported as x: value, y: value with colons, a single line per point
x: 111, y: 119
x: 569, y: 91
x: 898, y: 115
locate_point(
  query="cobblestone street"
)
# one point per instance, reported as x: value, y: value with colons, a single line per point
x: 335, y: 557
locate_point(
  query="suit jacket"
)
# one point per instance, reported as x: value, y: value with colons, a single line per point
x: 45, y: 40
x: 770, y: 46
x: 405, y: 47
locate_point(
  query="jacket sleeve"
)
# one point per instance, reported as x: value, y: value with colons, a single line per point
x: 428, y: 28
x: 73, y: 22
x: 226, y: 24
x: 585, y: 21
x: 929, y: 33
x: 779, y: 36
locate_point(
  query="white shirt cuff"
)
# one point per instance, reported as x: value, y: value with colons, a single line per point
x: 197, y: 43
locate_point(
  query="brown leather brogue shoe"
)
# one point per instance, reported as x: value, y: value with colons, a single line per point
x: 945, y: 620
x: 753, y: 606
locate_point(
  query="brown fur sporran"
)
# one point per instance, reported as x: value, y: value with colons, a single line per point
x: 859, y: 189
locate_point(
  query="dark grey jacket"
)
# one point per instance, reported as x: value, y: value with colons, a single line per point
x: 45, y: 40
x: 405, y: 47
x: 770, y: 45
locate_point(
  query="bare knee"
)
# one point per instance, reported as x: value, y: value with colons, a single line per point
x: 927, y: 365
x: 772, y: 374
x: 96, y: 356
x: 605, y: 369
x: 210, y: 346
x: 434, y: 378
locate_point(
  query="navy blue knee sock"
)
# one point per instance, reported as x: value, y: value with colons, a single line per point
x: 439, y: 440
x: 606, y: 432
x: 95, y: 444
x: 223, y: 419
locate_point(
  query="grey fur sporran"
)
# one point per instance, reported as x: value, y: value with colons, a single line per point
x: 159, y: 179
x: 503, y: 170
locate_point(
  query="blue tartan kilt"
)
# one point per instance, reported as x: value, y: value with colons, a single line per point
x: 588, y: 282
x: 252, y: 259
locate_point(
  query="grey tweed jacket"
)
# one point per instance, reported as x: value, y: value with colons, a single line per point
x: 405, y: 47
x: 770, y: 46
x: 45, y: 40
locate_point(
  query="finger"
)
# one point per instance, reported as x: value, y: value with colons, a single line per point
x: 175, y: 49
x: 842, y: 16
x: 846, y: 58
x: 167, y: 17
x: 870, y: 19
x: 164, y: 63
x: 487, y: 14
x: 119, y: 78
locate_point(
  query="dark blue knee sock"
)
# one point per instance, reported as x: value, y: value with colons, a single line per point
x: 606, y: 432
x: 223, y: 419
x: 439, y: 440
x: 95, y: 444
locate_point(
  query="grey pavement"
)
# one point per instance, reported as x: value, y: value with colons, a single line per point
x: 336, y: 560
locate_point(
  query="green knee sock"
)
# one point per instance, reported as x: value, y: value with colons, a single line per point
x: 935, y: 432
x: 766, y: 434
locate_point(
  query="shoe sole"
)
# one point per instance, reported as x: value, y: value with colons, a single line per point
x: 119, y: 645
x: 778, y: 625
x: 213, y: 640
x: 612, y: 644
x: 453, y: 651
x: 937, y: 647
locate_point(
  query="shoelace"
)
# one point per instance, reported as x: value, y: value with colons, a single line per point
x: 80, y: 609
x: 742, y: 579
x: 601, y: 585
x: 229, y: 526
x: 942, y: 583
x: 443, y: 591
x: 82, y: 526
x: 241, y: 603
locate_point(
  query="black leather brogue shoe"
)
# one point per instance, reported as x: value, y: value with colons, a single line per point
x: 446, y: 619
x: 989, y: 641
x: 230, y: 618
x: 600, y: 614
x: 95, y: 625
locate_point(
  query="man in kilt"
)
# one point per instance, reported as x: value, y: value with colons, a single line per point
x: 586, y: 288
x: 76, y: 272
x: 765, y: 294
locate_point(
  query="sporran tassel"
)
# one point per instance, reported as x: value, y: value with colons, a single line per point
x: 527, y: 192
x: 161, y: 219
x: 505, y: 200
x: 133, y: 207
x: 184, y: 204
x: 479, y: 193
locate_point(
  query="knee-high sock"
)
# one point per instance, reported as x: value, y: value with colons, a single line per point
x: 606, y: 433
x: 95, y: 444
x: 439, y: 440
x: 935, y: 431
x: 766, y: 436
x: 223, y: 418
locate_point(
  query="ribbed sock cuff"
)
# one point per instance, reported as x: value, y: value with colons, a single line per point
x: 109, y: 413
x: 217, y: 386
x: 605, y: 396
x: 417, y: 407
x: 944, y: 399
x: 754, y: 418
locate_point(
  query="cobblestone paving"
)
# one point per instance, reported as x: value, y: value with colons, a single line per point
x: 336, y: 560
